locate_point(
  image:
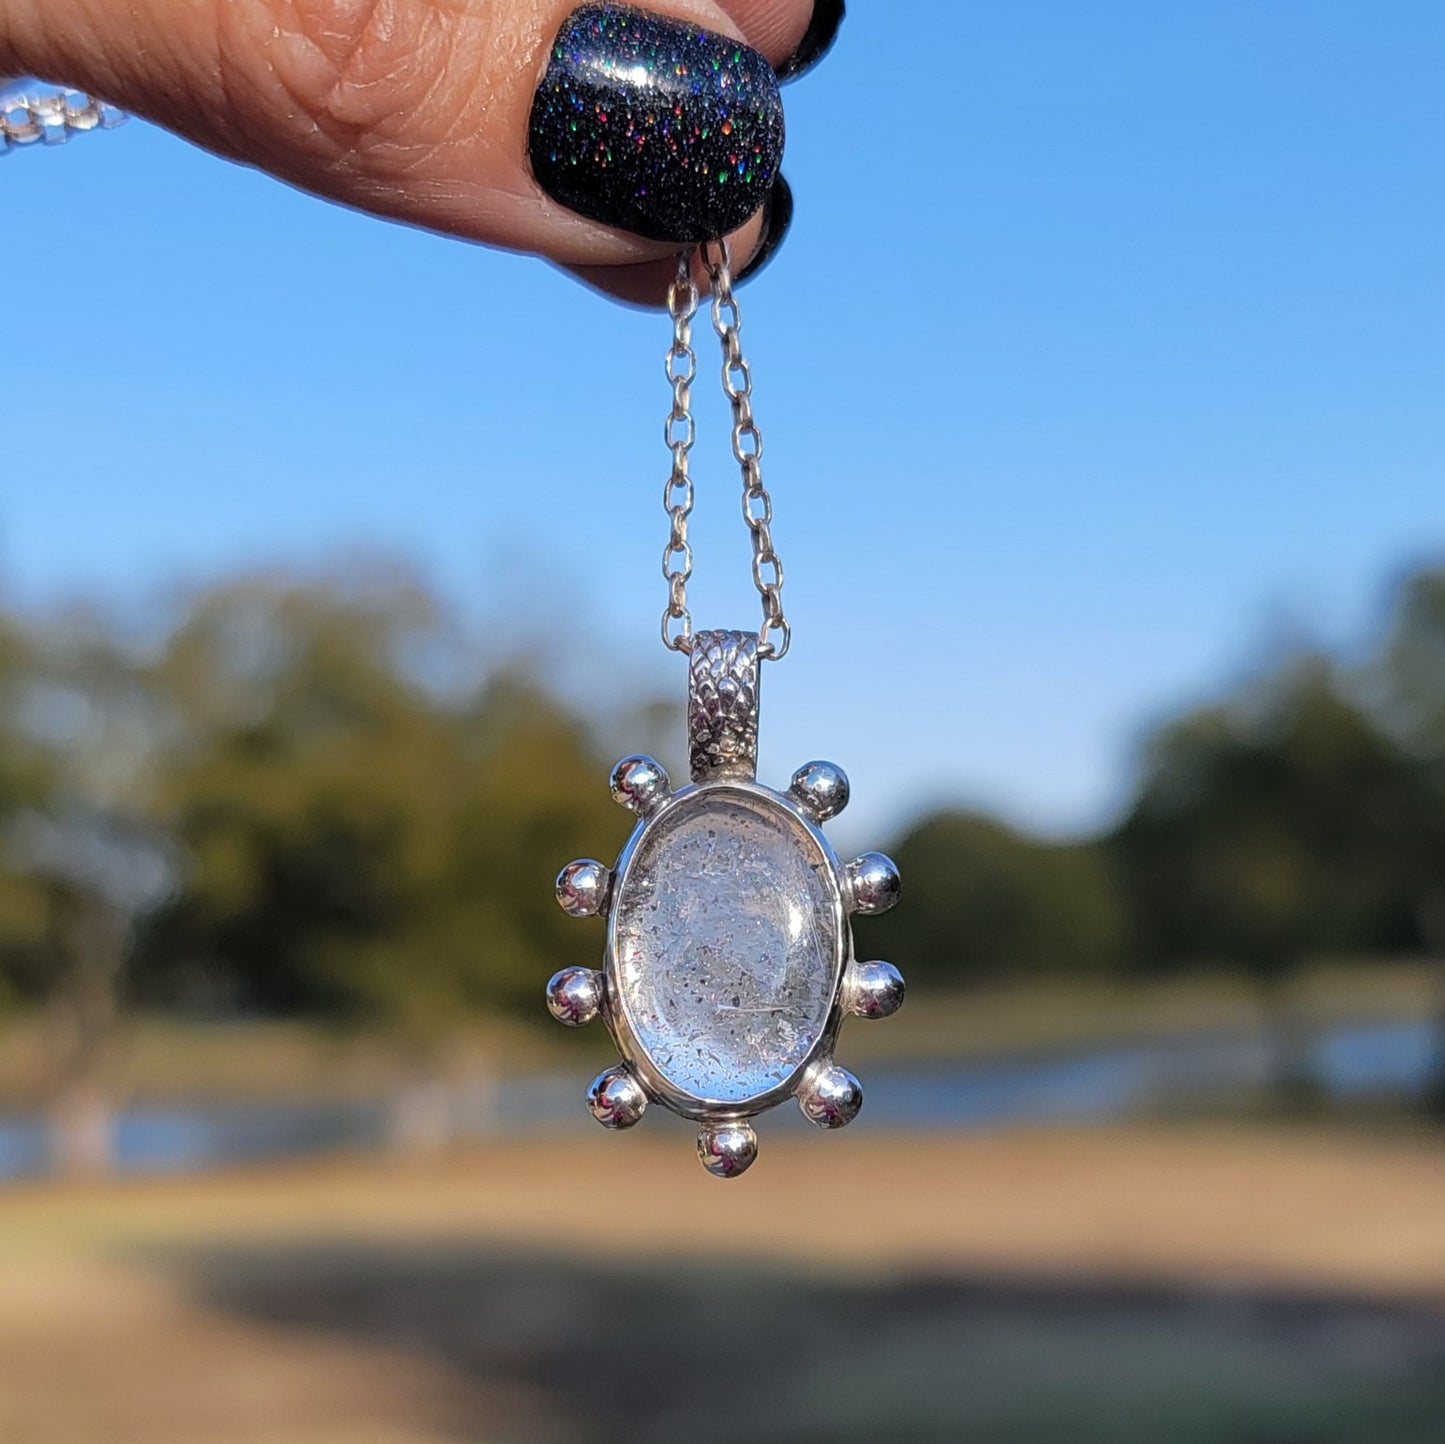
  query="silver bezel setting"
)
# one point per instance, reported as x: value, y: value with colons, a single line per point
x: 614, y: 1010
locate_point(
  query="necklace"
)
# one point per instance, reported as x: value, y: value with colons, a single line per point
x: 728, y: 967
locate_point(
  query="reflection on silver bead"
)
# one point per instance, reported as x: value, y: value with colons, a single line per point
x: 639, y: 783
x: 830, y: 1096
x: 616, y: 1099
x: 873, y: 883
x: 582, y: 887
x: 873, y: 990
x: 574, y: 996
x: 727, y: 1149
x: 821, y: 789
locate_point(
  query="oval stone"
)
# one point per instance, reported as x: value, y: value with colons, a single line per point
x: 725, y: 938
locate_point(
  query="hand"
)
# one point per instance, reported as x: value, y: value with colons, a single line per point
x: 422, y: 110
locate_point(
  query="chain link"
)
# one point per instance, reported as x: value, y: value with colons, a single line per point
x: 757, y: 505
x: 775, y: 635
x: 52, y: 119
x: 679, y: 432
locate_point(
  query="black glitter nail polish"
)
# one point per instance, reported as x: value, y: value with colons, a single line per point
x: 654, y: 125
x: 817, y: 40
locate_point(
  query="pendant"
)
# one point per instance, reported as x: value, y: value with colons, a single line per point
x: 729, y: 962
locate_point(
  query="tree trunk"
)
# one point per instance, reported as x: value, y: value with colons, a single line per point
x: 476, y: 1103
x: 419, y: 1121
x: 82, y: 1132
x: 1433, y: 1094
x: 1293, y: 1079
x: 1430, y: 917
x: 83, y: 1015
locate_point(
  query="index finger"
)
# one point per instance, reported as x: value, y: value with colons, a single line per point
x: 420, y: 110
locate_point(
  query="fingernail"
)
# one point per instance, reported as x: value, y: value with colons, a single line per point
x: 817, y: 40
x: 655, y: 126
x: 777, y: 217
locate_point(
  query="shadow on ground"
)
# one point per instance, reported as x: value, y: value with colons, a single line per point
x: 629, y: 1354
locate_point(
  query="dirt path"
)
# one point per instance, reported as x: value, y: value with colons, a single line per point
x: 1204, y: 1205
x: 342, y: 1303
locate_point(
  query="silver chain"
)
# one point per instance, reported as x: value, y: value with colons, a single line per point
x: 679, y: 431
x: 52, y: 119
x: 757, y: 505
x: 747, y: 440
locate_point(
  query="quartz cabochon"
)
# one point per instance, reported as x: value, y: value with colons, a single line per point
x: 726, y: 943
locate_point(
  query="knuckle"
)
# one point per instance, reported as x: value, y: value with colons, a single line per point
x: 372, y: 79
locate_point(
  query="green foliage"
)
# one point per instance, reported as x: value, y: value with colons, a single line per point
x: 1283, y: 823
x: 352, y: 836
x: 1272, y: 828
x: 78, y: 860
x: 25, y: 777
x: 1412, y: 666
x: 360, y: 846
x: 984, y: 902
x: 1409, y: 679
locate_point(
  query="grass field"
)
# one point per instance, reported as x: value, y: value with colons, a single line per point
x: 1201, y: 1285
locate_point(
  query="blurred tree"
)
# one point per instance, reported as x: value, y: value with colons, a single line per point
x: 1410, y: 678
x: 1412, y: 665
x: 26, y: 777
x: 985, y: 903
x: 82, y: 862
x: 1268, y: 830
x: 361, y: 847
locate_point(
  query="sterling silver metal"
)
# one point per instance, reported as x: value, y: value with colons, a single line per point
x: 873, y: 990
x: 737, y: 380
x: 622, y: 1024
x: 722, y: 716
x: 830, y: 1096
x: 582, y: 887
x: 872, y: 883
x: 616, y: 1099
x: 50, y: 118
x: 727, y: 1149
x: 820, y: 789
x: 574, y: 996
x: 728, y: 968
x: 680, y: 431
x: 722, y: 734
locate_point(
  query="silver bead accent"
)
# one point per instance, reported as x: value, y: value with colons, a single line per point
x: 727, y: 1149
x: 582, y: 887
x: 574, y: 996
x: 639, y: 784
x: 873, y: 883
x: 616, y: 1099
x: 820, y: 789
x: 830, y: 1096
x: 873, y: 990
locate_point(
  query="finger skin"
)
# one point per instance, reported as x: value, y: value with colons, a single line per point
x: 773, y: 26
x: 413, y: 109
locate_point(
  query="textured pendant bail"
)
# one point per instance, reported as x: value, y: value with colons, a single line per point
x: 722, y: 705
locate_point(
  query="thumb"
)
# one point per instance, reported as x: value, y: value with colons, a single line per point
x: 602, y: 137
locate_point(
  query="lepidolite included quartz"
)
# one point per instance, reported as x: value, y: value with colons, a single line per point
x: 726, y: 939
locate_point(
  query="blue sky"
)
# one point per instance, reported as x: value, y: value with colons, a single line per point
x: 1109, y: 340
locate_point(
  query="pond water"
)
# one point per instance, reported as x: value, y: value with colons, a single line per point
x: 1352, y: 1063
